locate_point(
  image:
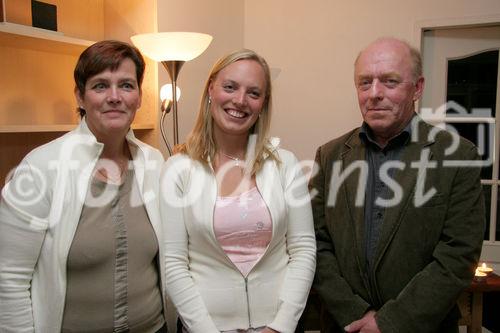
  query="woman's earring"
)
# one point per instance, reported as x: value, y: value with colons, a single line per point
x: 209, y: 100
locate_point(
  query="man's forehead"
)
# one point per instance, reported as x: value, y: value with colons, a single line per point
x: 382, y: 63
x: 384, y: 50
x: 387, y: 46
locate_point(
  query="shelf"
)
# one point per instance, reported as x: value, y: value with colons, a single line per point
x: 40, y: 39
x: 56, y: 128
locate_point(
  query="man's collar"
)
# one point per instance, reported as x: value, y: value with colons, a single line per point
x: 402, y: 138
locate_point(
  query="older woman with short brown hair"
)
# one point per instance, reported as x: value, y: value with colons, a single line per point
x: 80, y: 234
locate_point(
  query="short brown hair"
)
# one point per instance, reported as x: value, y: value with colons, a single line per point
x: 106, y: 54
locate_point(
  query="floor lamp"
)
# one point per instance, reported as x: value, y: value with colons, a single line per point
x: 166, y: 99
x: 172, y: 49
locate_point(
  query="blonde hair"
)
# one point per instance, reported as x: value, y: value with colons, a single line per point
x: 200, y: 144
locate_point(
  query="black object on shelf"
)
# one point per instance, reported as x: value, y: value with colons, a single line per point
x: 44, y: 15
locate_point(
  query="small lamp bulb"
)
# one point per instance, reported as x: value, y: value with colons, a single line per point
x: 166, y: 92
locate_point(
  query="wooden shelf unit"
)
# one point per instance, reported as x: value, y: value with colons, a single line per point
x: 37, y: 103
x: 31, y: 42
x: 37, y: 77
x: 41, y: 38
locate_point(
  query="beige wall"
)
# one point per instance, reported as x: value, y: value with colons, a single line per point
x: 72, y: 15
x: 224, y: 20
x: 314, y: 43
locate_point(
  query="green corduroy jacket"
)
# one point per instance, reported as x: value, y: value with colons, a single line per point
x: 426, y: 253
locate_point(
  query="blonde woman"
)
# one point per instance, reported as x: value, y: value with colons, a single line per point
x: 240, y: 246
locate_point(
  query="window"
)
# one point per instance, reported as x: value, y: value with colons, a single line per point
x: 471, y: 97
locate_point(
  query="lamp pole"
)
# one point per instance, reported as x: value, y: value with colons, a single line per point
x: 173, y: 68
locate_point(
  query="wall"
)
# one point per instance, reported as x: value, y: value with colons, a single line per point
x: 224, y: 20
x: 318, y: 40
x: 72, y: 15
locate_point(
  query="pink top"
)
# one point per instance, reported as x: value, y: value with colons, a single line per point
x: 243, y: 227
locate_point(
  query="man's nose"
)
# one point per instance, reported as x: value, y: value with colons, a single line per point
x: 377, y: 89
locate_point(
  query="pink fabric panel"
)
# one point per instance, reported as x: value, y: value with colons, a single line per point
x: 243, y: 227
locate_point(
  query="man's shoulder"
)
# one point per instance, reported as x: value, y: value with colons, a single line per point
x: 446, y: 142
x: 340, y: 143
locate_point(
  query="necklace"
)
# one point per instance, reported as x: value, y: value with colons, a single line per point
x: 236, y: 159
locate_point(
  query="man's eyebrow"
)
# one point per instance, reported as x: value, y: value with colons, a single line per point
x: 363, y: 76
x: 381, y: 76
x: 390, y: 75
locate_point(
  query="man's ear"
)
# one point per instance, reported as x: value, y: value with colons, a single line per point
x: 419, y: 88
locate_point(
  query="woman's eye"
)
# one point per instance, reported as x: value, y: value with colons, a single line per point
x: 99, y: 86
x: 255, y: 94
x: 228, y: 87
x: 128, y: 86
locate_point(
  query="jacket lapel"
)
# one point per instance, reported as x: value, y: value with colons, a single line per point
x: 355, y: 153
x: 406, y: 178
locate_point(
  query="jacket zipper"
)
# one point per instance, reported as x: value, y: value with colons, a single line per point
x: 225, y: 254
x: 245, y: 278
x: 248, y: 303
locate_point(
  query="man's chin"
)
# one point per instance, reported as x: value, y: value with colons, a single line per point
x: 377, y: 124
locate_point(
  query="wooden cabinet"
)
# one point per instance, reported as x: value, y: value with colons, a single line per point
x: 37, y: 102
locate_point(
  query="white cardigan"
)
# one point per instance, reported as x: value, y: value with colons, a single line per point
x: 209, y: 292
x: 35, y: 237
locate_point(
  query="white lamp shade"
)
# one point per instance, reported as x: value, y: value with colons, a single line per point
x: 165, y: 46
x: 166, y: 92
